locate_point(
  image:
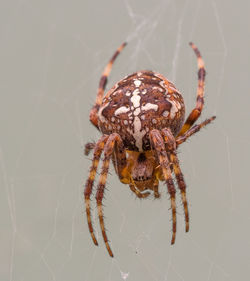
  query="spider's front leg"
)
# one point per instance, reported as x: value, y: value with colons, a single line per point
x: 158, y: 144
x: 108, y: 151
x: 89, y: 184
x: 120, y: 162
x: 171, y: 148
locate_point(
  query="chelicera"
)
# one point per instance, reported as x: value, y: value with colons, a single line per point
x: 141, y: 119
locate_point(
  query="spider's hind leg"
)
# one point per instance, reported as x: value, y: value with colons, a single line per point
x: 196, y: 112
x: 193, y: 130
x: 102, y: 84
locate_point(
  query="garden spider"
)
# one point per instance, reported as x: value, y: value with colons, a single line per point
x: 141, y: 119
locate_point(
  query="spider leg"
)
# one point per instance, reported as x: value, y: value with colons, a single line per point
x: 182, y: 186
x: 89, y: 184
x: 196, y: 112
x: 193, y: 130
x: 102, y: 84
x: 108, y: 150
x: 88, y: 147
x: 138, y: 193
x: 156, y: 190
x: 158, y: 144
x: 120, y: 162
x: 171, y: 147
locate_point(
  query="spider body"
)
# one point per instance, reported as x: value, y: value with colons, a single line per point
x: 141, y: 119
x: 139, y: 103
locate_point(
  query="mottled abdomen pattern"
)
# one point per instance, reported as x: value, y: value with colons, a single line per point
x: 139, y: 103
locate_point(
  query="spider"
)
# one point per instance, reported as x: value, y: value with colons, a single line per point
x: 142, y: 121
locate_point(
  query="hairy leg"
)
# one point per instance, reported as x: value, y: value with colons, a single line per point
x: 182, y: 186
x: 196, y: 112
x: 89, y: 184
x: 171, y: 148
x: 193, y: 130
x: 102, y: 84
x: 108, y: 150
x: 158, y: 144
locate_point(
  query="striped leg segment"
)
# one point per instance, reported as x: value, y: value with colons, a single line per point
x: 193, y: 130
x: 89, y: 184
x: 171, y: 148
x: 196, y: 112
x: 102, y: 84
x: 158, y: 144
x: 182, y: 186
x: 108, y: 151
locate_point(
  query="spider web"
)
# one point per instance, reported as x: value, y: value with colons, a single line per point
x: 52, y: 56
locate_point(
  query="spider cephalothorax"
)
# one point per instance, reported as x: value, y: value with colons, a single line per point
x: 141, y: 119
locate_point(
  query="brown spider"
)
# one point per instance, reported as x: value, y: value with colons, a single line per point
x: 141, y: 119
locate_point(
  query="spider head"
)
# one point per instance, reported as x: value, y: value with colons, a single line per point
x: 142, y: 169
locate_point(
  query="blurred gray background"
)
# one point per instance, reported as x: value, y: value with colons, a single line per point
x: 52, y: 54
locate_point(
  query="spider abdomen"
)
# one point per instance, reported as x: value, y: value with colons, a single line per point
x: 139, y: 103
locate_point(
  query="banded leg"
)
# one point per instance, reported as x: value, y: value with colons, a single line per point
x: 138, y: 193
x: 89, y: 184
x: 171, y: 148
x: 157, y: 143
x: 102, y: 84
x: 196, y: 112
x: 182, y: 186
x: 108, y: 150
x: 193, y: 130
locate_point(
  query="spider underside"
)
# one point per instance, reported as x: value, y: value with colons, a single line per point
x: 141, y: 119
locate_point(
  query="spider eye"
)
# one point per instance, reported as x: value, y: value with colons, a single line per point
x: 141, y: 157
